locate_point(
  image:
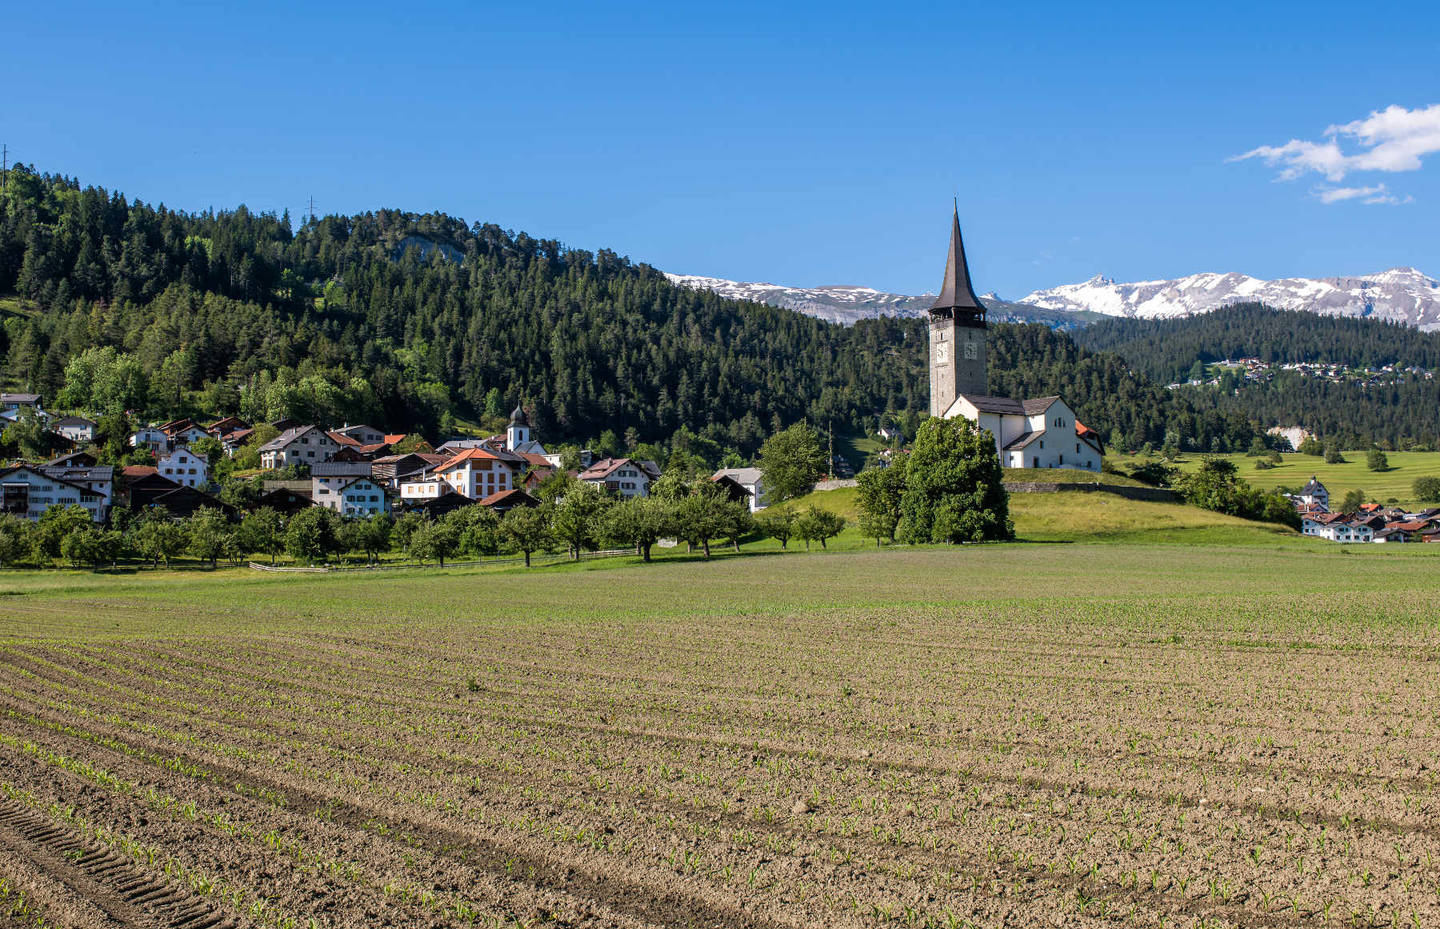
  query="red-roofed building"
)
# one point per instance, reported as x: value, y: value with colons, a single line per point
x: 476, y: 472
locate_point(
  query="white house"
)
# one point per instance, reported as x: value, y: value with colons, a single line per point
x: 424, y: 490
x: 329, y: 478
x: 365, y: 435
x: 184, y: 467
x: 12, y: 404
x: 752, y: 480
x: 361, y: 497
x: 27, y: 492
x: 307, y: 445
x: 77, y: 429
x: 477, y: 473
x: 151, y: 437
x: 98, y: 479
x: 1039, y: 433
x: 1314, y: 492
x: 624, y: 476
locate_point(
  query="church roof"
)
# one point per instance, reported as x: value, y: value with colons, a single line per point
x: 955, y: 291
x: 1005, y: 405
x: 518, y: 417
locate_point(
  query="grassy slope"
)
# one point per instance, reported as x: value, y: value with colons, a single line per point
x: 1088, y: 517
x: 1338, y: 478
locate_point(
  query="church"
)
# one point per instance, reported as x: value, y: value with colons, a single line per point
x: 1039, y: 433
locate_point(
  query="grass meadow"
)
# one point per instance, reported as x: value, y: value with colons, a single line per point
x: 1296, y: 469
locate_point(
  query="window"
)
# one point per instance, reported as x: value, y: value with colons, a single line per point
x: 1062, y: 459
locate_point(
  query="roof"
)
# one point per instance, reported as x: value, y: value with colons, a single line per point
x: 70, y: 459
x: 1313, y: 486
x: 340, y: 469
x: 341, y: 438
x: 1326, y: 519
x: 1414, y: 525
x: 1007, y: 406
x: 469, y: 454
x: 83, y: 473
x: 41, y: 472
x: 285, y: 438
x: 538, y: 461
x: 19, y: 398
x: 395, y: 439
x: 604, y: 468
x: 518, y: 417
x: 227, y: 425
x: 955, y: 290
x: 132, y: 472
x: 1023, y: 439
x: 365, y: 478
x: 74, y: 421
x: 740, y: 475
x: 237, y: 435
x: 512, y: 497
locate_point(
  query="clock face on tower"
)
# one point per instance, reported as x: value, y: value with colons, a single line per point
x: 942, y: 352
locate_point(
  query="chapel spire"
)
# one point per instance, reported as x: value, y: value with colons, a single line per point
x: 957, y: 297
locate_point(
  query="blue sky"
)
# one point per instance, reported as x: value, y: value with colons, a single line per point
x: 795, y: 143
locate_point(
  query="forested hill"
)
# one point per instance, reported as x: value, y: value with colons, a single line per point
x: 1365, y: 381
x: 407, y: 321
x: 1167, y: 349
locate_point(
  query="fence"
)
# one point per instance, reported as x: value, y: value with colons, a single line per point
x: 340, y: 569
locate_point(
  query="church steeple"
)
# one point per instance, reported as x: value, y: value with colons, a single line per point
x: 957, y: 332
x: 956, y: 295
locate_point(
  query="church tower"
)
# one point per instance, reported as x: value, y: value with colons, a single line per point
x: 957, y: 332
x: 517, y: 434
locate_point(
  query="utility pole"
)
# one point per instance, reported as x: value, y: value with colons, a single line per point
x: 4, y: 166
x: 830, y: 428
x: 312, y: 208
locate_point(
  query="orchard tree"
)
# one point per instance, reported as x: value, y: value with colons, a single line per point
x: 54, y: 525
x: 437, y: 540
x: 705, y: 515
x: 476, y: 528
x: 579, y: 517
x: 210, y: 535
x: 262, y: 531
x: 527, y: 528
x: 312, y: 534
x: 158, y: 537
x: 641, y: 522
x: 777, y: 523
x: 14, y: 539
x: 817, y: 525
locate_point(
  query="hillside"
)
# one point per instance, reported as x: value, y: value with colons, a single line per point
x: 1402, y: 295
x: 1355, y: 380
x: 412, y: 322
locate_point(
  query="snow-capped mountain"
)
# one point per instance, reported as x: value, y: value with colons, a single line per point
x: 844, y: 304
x: 1400, y: 295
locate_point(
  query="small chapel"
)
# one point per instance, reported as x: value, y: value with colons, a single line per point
x: 1039, y: 433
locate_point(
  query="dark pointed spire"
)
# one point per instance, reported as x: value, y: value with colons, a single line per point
x: 955, y: 291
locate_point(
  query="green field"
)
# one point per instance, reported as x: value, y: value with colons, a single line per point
x: 1070, y: 734
x: 1339, y: 479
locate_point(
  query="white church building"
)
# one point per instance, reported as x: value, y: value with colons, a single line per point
x: 1042, y: 433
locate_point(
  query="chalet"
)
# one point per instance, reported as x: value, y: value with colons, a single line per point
x: 12, y: 404
x: 285, y: 500
x: 183, y: 431
x: 1389, y: 535
x: 1411, y: 530
x: 361, y: 497
x: 184, y: 502
x: 224, y: 427
x: 306, y: 445
x: 77, y: 429
x: 184, y: 467
x: 360, y: 435
x: 423, y: 490
x: 626, y: 477
x: 99, y: 479
x: 73, y: 460
x: 234, y: 439
x: 285, y: 424
x: 476, y: 472
x: 328, y: 478
x: 141, y: 484
x: 444, y: 501
x: 1314, y: 493
x: 393, y: 469
x: 1317, y: 524
x: 506, y: 500
x: 749, y: 479
x: 27, y: 492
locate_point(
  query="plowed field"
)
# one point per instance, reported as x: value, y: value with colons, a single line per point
x: 996, y: 736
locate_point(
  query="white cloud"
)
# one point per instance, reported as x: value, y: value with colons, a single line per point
x: 1379, y: 193
x: 1393, y: 139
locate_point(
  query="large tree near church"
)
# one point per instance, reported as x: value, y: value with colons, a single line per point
x: 953, y: 486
